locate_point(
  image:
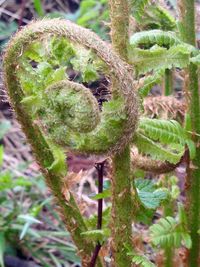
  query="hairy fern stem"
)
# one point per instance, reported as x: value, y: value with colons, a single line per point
x: 122, y: 204
x: 187, y: 29
x: 168, y: 82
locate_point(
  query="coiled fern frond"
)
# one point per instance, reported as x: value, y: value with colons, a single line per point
x: 115, y: 115
x: 147, y: 39
x: 55, y: 111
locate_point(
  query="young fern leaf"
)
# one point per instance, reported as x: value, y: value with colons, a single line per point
x: 195, y: 60
x: 138, y: 8
x: 148, y: 147
x: 158, y: 57
x: 164, y: 131
x: 169, y: 233
x: 98, y: 235
x: 138, y: 259
x: 143, y: 261
x: 147, y: 39
x: 149, y: 195
x: 149, y: 81
x: 163, y: 139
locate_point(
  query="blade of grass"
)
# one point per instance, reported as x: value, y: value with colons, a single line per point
x: 38, y: 7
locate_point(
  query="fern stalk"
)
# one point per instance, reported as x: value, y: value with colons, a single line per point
x: 168, y: 209
x: 121, y: 182
x: 168, y: 82
x: 187, y: 29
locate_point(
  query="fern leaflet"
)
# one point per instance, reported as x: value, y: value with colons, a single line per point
x: 150, y: 81
x: 147, y: 39
x: 165, y: 131
x: 169, y: 233
x: 138, y: 8
x: 158, y: 57
x: 142, y: 261
x: 148, y: 147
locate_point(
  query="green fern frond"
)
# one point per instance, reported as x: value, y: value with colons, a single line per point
x: 195, y: 60
x: 143, y: 261
x: 139, y: 259
x: 164, y: 131
x: 158, y: 57
x: 150, y: 81
x: 147, y: 39
x: 98, y: 235
x: 138, y: 8
x: 163, y: 139
x: 166, y: 20
x: 169, y: 233
x: 148, y: 147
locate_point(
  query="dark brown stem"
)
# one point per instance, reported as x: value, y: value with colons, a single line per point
x: 100, y: 168
x: 23, y: 5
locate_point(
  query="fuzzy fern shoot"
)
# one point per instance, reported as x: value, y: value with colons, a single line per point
x: 49, y: 66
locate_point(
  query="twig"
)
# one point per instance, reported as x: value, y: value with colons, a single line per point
x: 23, y: 5
x: 100, y: 168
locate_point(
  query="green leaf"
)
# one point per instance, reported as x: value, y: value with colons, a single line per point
x: 169, y: 233
x: 59, y: 165
x: 29, y: 221
x: 2, y: 248
x: 35, y: 52
x: 165, y: 131
x: 158, y: 57
x: 1, y: 155
x: 6, y: 29
x: 195, y: 60
x: 150, y: 81
x: 187, y: 241
x: 191, y: 147
x: 148, y: 147
x: 138, y: 8
x: 5, y: 126
x: 92, y: 220
x: 38, y: 7
x: 104, y: 194
x: 147, y: 39
x: 97, y: 235
x: 90, y: 74
x: 150, y: 197
x: 142, y: 261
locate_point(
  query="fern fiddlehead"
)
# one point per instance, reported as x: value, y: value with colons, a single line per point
x: 69, y: 115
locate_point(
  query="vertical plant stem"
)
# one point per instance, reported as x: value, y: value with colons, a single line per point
x: 187, y: 29
x: 121, y: 208
x: 100, y: 169
x: 121, y: 182
x: 168, y: 82
x: 168, y: 211
x: 22, y: 7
